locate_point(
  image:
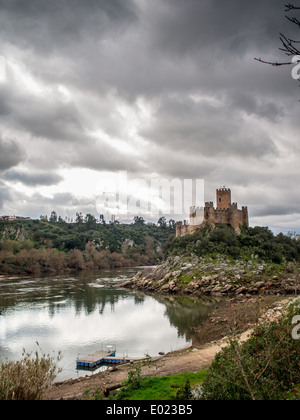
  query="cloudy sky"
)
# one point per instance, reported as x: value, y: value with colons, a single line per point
x: 155, y: 88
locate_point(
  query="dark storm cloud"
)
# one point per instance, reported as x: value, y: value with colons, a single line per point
x: 4, y: 194
x: 46, y: 116
x: 32, y: 179
x: 45, y: 26
x: 212, y: 25
x: 5, y: 108
x: 187, y: 125
x: 144, y: 48
x: 274, y: 210
x: 140, y: 48
x: 51, y: 119
x: 210, y: 110
x: 10, y: 154
x: 177, y: 46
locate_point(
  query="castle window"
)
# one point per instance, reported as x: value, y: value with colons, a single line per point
x: 220, y: 200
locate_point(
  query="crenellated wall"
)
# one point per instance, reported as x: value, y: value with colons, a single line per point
x: 226, y: 213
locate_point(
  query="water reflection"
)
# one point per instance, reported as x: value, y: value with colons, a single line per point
x: 77, y: 314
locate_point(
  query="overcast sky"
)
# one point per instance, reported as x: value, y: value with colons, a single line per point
x: 157, y: 88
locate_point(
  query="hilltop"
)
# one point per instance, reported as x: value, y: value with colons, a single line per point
x: 220, y: 262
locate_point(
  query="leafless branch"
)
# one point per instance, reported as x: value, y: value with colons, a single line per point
x: 291, y: 7
x: 289, y: 48
x: 288, y: 45
x: 272, y: 63
x: 293, y: 20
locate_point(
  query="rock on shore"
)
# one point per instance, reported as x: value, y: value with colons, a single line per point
x: 219, y: 276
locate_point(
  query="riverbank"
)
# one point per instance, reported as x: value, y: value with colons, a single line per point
x: 41, y: 246
x: 219, y: 276
x: 210, y: 337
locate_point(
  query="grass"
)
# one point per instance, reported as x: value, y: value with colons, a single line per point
x: 164, y: 388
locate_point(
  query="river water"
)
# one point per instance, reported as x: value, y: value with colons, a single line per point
x: 82, y: 313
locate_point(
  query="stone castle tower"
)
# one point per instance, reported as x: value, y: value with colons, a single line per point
x: 226, y: 213
x: 223, y: 198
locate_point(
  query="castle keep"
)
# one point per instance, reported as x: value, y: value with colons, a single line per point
x: 226, y: 213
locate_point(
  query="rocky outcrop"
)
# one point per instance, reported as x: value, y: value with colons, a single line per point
x: 13, y: 233
x: 218, y: 277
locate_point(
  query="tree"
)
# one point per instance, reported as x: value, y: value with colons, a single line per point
x: 79, y: 218
x: 90, y: 221
x: 139, y: 220
x: 289, y: 45
x: 172, y: 224
x: 102, y: 219
x: 53, y: 217
x: 162, y: 222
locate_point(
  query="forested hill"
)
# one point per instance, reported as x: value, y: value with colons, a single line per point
x: 35, y: 246
x: 41, y: 246
x: 258, y: 242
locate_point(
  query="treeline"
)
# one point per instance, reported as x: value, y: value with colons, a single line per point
x: 45, y: 260
x: 257, y: 242
x: 51, y: 246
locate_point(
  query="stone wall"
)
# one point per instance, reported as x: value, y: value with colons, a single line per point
x: 226, y: 213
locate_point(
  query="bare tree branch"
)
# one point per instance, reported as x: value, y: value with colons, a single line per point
x: 293, y: 20
x: 272, y: 63
x: 288, y: 45
x: 291, y: 7
x: 289, y: 48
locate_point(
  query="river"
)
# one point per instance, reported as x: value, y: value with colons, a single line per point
x: 82, y: 313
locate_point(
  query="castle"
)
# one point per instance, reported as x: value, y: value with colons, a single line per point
x: 226, y: 213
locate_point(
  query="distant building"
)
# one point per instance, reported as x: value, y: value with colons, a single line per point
x: 226, y: 213
x: 11, y: 218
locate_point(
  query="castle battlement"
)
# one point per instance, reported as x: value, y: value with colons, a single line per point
x: 224, y: 189
x: 226, y: 213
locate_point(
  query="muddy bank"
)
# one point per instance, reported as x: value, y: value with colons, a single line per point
x: 218, y: 277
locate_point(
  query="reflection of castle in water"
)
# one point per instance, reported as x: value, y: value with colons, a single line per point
x: 226, y: 213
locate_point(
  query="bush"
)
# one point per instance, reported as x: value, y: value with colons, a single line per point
x: 27, y: 379
x: 75, y: 260
x: 266, y: 367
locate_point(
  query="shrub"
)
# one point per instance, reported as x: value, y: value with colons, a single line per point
x: 29, y: 378
x: 266, y: 367
x: 75, y: 260
x: 223, y: 240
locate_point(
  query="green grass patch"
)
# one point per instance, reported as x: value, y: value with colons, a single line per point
x: 165, y: 388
